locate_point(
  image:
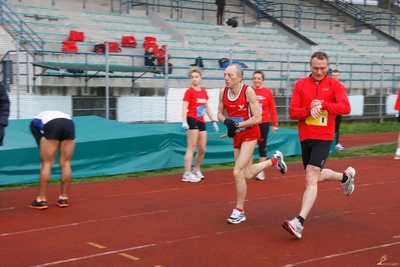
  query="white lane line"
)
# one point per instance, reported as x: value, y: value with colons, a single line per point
x: 178, y: 209
x: 94, y: 255
x: 342, y: 254
x: 159, y: 191
x: 83, y: 222
x: 205, y: 186
x: 9, y: 208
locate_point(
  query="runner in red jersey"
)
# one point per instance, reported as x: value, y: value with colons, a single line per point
x: 238, y: 109
x: 316, y: 100
x: 195, y: 107
x: 397, y: 107
x: 266, y: 101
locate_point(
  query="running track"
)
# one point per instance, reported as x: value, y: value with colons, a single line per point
x: 160, y: 221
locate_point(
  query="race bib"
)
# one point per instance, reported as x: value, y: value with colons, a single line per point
x: 238, y: 119
x: 322, y: 120
x: 201, y: 111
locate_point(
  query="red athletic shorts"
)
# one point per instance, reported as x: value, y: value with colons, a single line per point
x: 249, y: 134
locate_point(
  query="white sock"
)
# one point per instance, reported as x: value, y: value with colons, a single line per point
x: 398, y: 151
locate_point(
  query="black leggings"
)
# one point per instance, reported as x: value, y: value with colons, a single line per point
x: 337, y: 127
x: 262, y: 146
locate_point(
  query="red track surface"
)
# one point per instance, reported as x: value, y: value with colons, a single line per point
x: 161, y: 221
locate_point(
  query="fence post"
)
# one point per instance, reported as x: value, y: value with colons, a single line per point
x: 107, y: 83
x: 381, y: 92
x: 17, y: 83
x: 166, y: 70
x: 287, y: 87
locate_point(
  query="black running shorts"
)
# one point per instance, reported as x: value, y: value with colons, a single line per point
x: 57, y: 129
x: 196, y: 124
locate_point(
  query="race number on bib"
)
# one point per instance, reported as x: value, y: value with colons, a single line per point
x: 322, y: 120
x: 201, y: 111
x: 238, y: 119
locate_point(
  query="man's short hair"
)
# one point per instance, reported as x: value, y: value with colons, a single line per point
x: 335, y: 71
x: 320, y: 55
x: 239, y: 69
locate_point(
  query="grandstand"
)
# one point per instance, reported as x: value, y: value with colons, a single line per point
x: 277, y: 37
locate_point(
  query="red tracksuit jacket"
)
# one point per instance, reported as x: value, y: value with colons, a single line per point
x: 335, y: 102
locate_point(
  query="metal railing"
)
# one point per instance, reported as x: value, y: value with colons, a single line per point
x: 18, y: 28
x: 379, y: 20
x: 371, y: 78
x: 296, y: 12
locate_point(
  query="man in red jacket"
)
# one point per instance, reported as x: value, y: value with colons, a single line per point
x: 315, y: 103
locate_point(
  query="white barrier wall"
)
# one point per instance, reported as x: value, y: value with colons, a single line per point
x: 357, y: 105
x: 152, y: 109
x: 143, y: 108
x: 390, y: 102
x: 148, y: 109
x: 31, y: 105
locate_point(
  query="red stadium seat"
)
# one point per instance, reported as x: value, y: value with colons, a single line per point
x: 150, y: 41
x: 76, y: 36
x: 128, y: 41
x: 113, y: 47
x: 69, y: 46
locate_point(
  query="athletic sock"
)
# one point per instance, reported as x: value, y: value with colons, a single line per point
x: 344, y: 179
x: 239, y: 209
x: 274, y: 161
x: 195, y: 169
x: 398, y: 151
x: 301, y: 219
x: 187, y: 173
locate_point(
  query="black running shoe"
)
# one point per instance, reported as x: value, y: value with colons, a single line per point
x: 62, y: 202
x: 39, y: 205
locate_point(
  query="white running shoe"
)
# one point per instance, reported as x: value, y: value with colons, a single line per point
x: 198, y: 173
x: 339, y: 147
x: 190, y: 178
x: 260, y: 176
x: 236, y: 217
x: 396, y: 157
x: 348, y: 186
x: 294, y: 227
x: 280, y: 165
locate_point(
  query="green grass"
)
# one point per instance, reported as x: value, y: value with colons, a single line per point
x: 361, y: 127
x: 346, y: 128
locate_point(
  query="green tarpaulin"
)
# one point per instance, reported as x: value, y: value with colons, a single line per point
x: 105, y: 147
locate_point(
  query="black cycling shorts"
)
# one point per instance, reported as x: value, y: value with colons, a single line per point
x: 315, y: 152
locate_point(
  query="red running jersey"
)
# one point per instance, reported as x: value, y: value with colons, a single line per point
x: 197, y: 103
x: 266, y: 101
x: 238, y: 109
